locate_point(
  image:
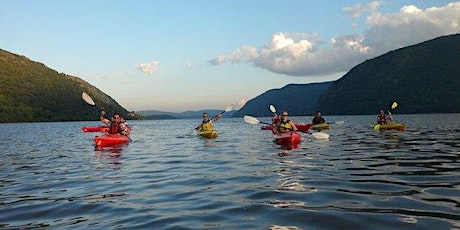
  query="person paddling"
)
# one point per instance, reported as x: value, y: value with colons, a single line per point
x: 117, y: 124
x: 382, y: 118
x: 318, y: 119
x: 207, y: 124
x: 285, y: 125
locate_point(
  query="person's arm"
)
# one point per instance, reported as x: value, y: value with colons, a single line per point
x: 217, y: 118
x: 103, y: 118
x: 390, y: 118
x: 293, y: 126
x: 124, y: 129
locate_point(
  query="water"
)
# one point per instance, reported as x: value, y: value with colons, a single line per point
x: 52, y: 177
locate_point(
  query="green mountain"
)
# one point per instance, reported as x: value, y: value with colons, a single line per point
x: 32, y: 92
x: 298, y: 99
x: 423, y: 78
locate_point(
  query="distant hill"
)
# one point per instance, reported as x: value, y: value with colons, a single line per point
x: 31, y: 92
x: 156, y: 114
x: 298, y: 99
x: 423, y: 78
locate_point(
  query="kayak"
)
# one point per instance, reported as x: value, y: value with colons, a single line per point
x: 110, y: 140
x: 303, y: 127
x: 288, y: 140
x: 88, y: 129
x: 390, y: 126
x: 208, y: 134
x: 321, y: 126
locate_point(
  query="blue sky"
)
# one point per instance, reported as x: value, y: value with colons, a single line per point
x: 175, y: 55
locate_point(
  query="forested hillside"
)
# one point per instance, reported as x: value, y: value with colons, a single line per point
x: 30, y: 92
x: 423, y: 78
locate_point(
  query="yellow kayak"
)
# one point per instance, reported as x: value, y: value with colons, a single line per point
x: 208, y: 134
x: 320, y: 127
x: 390, y: 126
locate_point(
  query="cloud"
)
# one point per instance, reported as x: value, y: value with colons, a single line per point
x: 301, y: 54
x: 148, y: 68
x: 358, y: 9
x: 239, y: 103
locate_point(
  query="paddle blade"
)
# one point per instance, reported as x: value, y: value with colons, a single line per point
x: 87, y: 98
x: 394, y: 105
x: 339, y: 122
x: 319, y: 135
x: 251, y: 120
x: 272, y: 108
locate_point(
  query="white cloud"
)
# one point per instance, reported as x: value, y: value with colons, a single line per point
x: 148, y: 68
x: 308, y: 55
x: 358, y: 9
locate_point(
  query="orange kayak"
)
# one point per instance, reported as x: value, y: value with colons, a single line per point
x: 288, y: 140
x: 88, y: 129
x: 110, y: 140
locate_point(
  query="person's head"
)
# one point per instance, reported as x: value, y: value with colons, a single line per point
x: 318, y: 113
x: 205, y: 116
x: 284, y: 115
x: 117, y: 117
x: 381, y: 111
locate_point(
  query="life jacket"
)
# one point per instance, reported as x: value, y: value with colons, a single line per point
x: 381, y: 119
x: 284, y: 126
x: 318, y: 120
x: 206, y: 126
x: 114, y: 128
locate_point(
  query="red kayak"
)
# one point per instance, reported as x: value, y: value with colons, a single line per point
x: 303, y: 127
x: 110, y: 140
x: 288, y: 140
x: 88, y: 129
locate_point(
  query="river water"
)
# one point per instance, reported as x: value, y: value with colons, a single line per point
x: 51, y: 176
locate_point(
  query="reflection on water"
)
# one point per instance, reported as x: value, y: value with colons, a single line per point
x: 52, y: 177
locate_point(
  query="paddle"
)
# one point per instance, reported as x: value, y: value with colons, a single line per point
x: 273, y: 109
x: 89, y: 100
x: 254, y: 121
x: 337, y: 122
x: 393, y: 106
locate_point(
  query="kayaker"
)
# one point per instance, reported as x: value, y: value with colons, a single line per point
x: 117, y: 124
x: 318, y: 119
x: 285, y: 125
x: 206, y: 124
x: 382, y: 118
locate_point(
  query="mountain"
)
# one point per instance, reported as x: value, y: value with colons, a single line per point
x: 423, y: 78
x: 155, y: 114
x: 32, y: 92
x: 298, y: 99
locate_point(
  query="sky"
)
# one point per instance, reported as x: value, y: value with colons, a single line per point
x: 177, y: 55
